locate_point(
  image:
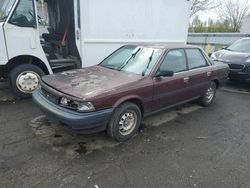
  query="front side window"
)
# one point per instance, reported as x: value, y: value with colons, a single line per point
x: 132, y: 59
x: 24, y: 14
x: 196, y: 59
x: 174, y: 61
x: 5, y: 8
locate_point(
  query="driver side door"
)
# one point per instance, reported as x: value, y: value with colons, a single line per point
x: 21, y: 30
x: 169, y: 91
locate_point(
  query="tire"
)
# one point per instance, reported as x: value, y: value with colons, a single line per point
x: 29, y: 75
x: 125, y: 116
x: 208, y: 97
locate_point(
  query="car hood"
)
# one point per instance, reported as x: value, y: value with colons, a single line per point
x: 89, y: 82
x: 231, y: 57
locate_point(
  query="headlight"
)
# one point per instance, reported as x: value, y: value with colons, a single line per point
x: 248, y: 60
x: 213, y: 57
x: 78, y: 106
x: 85, y: 107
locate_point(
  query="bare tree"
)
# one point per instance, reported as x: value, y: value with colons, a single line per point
x: 234, y: 11
x: 201, y: 5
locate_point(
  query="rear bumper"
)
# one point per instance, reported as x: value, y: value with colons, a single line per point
x: 239, y: 76
x: 85, y: 122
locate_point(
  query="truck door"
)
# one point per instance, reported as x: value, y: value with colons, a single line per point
x: 77, y: 14
x: 3, y: 53
x: 21, y: 30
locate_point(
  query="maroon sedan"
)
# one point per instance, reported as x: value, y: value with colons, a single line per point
x: 133, y: 82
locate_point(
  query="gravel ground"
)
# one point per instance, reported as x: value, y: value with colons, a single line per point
x: 187, y: 147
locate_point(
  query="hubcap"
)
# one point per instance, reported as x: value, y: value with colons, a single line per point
x: 127, y: 123
x: 210, y: 94
x: 28, y: 81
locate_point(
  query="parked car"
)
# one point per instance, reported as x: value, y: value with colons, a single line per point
x: 133, y: 82
x: 237, y: 56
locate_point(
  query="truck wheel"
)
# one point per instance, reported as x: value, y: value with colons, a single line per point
x: 208, y: 97
x: 125, y: 122
x: 24, y: 79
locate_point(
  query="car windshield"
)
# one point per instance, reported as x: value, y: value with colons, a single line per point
x: 133, y: 59
x: 241, y: 46
x: 5, y: 7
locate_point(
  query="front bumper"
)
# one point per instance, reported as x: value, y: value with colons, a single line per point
x: 239, y: 76
x: 85, y: 122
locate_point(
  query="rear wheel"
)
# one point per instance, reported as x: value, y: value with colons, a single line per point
x: 208, y: 97
x: 125, y: 122
x: 24, y: 79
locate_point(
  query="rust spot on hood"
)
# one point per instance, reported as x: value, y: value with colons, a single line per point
x: 89, y: 82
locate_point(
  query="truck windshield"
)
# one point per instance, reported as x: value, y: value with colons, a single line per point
x: 5, y: 8
x: 132, y: 59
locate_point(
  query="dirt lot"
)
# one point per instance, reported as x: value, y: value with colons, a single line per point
x: 187, y: 147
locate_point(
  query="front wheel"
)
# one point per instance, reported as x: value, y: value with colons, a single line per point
x: 125, y: 122
x: 208, y: 97
x: 24, y: 79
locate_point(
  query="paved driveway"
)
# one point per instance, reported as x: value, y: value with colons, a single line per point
x: 195, y: 147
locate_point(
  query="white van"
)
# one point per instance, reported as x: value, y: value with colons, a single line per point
x: 80, y: 33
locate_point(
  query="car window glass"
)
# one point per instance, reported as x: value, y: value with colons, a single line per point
x: 133, y: 59
x: 143, y: 63
x: 119, y: 57
x: 240, y: 46
x: 196, y: 59
x: 24, y: 15
x: 174, y: 61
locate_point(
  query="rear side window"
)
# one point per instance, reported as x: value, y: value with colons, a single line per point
x: 174, y: 61
x: 196, y: 59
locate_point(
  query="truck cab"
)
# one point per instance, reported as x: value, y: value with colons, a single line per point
x: 27, y: 53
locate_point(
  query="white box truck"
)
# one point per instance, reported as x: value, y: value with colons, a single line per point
x: 80, y: 33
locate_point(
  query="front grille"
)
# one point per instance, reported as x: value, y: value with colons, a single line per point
x: 236, y: 66
x: 50, y: 96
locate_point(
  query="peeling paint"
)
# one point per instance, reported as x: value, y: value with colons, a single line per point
x: 92, y: 81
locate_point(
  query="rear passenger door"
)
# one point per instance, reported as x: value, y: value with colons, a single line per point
x: 171, y: 90
x: 200, y: 71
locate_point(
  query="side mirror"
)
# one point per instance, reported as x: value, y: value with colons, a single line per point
x: 42, y: 22
x: 165, y: 73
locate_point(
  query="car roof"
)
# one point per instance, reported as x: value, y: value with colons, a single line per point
x: 166, y: 46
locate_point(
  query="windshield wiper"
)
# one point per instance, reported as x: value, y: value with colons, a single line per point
x: 149, y: 62
x: 132, y: 56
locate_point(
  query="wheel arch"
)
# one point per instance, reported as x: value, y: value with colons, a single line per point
x: 25, y: 59
x: 133, y: 99
x: 217, y: 82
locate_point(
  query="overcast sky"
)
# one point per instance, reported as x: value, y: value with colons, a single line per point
x: 212, y: 13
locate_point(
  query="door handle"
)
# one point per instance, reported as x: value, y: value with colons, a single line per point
x: 209, y: 74
x: 186, y: 80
